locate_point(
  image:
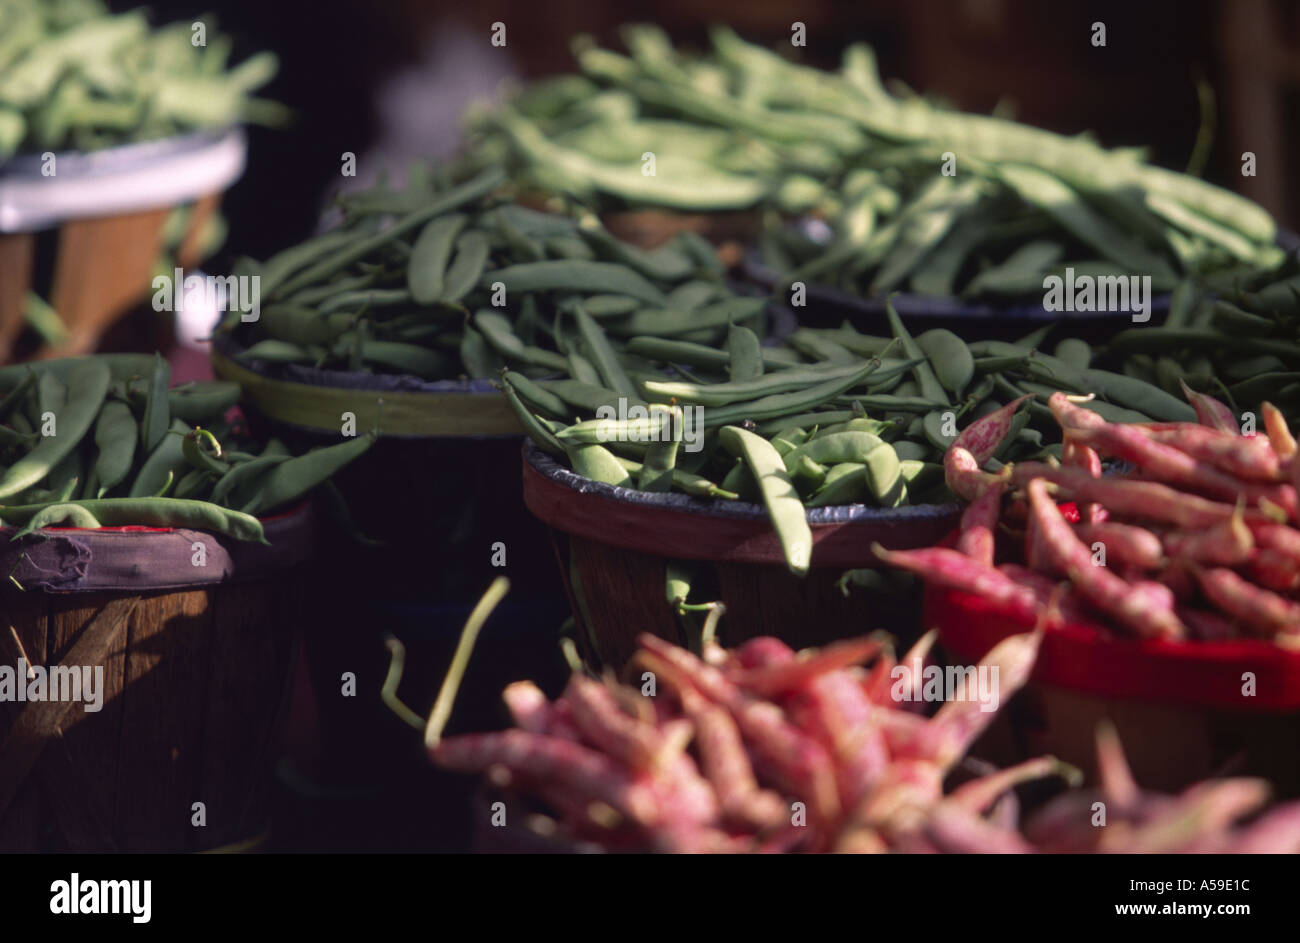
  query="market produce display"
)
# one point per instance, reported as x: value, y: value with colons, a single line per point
x: 852, y: 418
x: 1198, y: 542
x: 446, y: 280
x: 760, y: 749
x: 74, y: 76
x: 917, y: 197
x: 104, y: 442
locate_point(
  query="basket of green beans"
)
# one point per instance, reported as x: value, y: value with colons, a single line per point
x: 75, y: 77
x: 146, y: 535
x: 961, y: 210
x: 105, y: 442
x: 123, y: 137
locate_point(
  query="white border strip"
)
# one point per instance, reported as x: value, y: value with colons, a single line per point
x: 31, y: 202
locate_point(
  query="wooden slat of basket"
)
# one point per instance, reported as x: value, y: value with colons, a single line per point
x: 25, y: 616
x: 93, y: 752
x: 17, y: 254
x: 103, y: 267
x: 29, y: 734
x: 167, y: 663
x: 247, y: 698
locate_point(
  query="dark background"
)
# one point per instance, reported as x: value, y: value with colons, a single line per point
x: 1036, y: 57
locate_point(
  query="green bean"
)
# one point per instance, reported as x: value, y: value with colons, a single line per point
x: 430, y: 255
x: 1231, y: 319
x: 199, y: 457
x: 88, y: 385
x: 606, y: 361
x: 805, y: 419
x: 479, y: 359
x: 597, y: 463
x: 472, y: 250
x: 161, y: 464
x: 68, y: 515
x: 744, y: 353
x: 820, y: 347
x: 405, y: 358
x: 580, y: 368
x: 807, y: 474
x: 154, y: 512
x: 355, y: 302
x: 115, y: 437
x: 291, y: 479
x: 458, y: 196
x: 689, y: 483
x: 784, y: 508
x: 784, y: 404
x: 722, y: 394
x: 239, y: 476
x: 1158, y: 339
x: 203, y: 401
x: 885, y: 476
x: 157, y: 410
x: 576, y: 275
x: 931, y: 388
x: 586, y: 397
x: 935, y: 211
x: 536, y: 397
x: 664, y: 264
x: 16, y: 395
x: 661, y: 457
x: 834, y: 448
x: 1074, y: 353
x: 845, y: 484
x: 498, y: 332
x: 277, y: 351
x: 536, y: 430
x: 696, y: 355
x: 949, y: 357
x: 1039, y: 188
x: 1138, y: 396
x: 669, y: 322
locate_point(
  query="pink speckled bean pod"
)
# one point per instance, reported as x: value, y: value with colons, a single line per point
x: 1127, y: 544
x: 1260, y: 611
x: 979, y: 523
x: 1210, y: 411
x: 1139, y: 610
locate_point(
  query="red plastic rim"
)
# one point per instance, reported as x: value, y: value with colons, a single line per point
x: 686, y: 528
x: 1082, y: 657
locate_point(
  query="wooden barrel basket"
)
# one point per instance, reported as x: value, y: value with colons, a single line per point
x: 614, y: 544
x: 195, y: 637
x: 1179, y: 707
x: 108, y: 208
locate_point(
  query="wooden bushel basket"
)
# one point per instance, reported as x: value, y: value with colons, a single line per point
x: 1178, y: 707
x: 109, y: 208
x: 614, y: 544
x: 196, y: 673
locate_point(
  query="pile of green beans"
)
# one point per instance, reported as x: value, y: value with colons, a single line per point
x: 105, y: 441
x: 1241, y: 346
x: 917, y: 197
x: 442, y: 280
x: 829, y: 416
x: 72, y: 75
